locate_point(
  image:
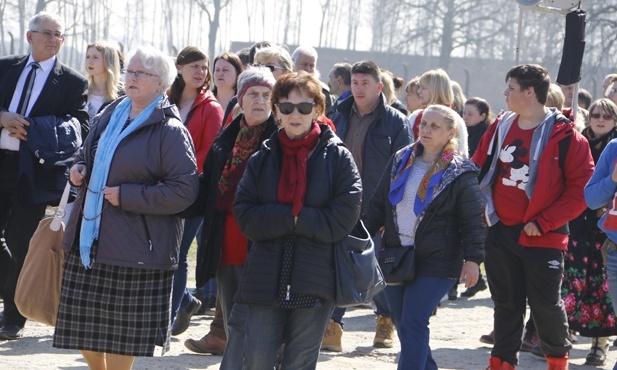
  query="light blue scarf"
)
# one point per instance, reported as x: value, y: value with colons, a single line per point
x: 111, y: 137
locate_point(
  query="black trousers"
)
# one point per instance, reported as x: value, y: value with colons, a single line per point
x: 19, y: 224
x: 519, y: 274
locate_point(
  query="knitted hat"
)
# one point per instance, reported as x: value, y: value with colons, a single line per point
x: 254, y: 76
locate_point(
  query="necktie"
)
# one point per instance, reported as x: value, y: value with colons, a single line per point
x: 24, y: 100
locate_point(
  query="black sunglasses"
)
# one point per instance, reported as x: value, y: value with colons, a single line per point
x: 606, y: 117
x: 303, y: 108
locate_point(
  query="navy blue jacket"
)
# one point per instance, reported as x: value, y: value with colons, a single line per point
x: 389, y: 132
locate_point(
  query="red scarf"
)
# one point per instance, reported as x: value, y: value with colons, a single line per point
x: 292, y: 183
x: 247, y: 142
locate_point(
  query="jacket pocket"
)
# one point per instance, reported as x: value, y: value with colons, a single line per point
x: 143, y: 220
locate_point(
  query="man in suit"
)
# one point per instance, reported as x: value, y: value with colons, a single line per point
x: 31, y: 87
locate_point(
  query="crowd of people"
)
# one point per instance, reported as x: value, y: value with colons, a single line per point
x: 269, y: 168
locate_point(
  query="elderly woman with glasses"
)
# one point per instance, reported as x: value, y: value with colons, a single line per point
x: 135, y: 173
x: 299, y: 196
x: 223, y: 248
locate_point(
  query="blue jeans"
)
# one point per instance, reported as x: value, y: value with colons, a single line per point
x: 180, y: 294
x: 301, y: 330
x: 235, y: 330
x: 412, y: 306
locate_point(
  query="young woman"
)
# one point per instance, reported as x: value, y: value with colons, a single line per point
x: 103, y: 70
x: 227, y: 68
x: 203, y: 116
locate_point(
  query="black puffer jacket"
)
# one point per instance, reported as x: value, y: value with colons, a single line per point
x: 389, y: 132
x: 449, y: 230
x: 331, y: 210
x: 209, y: 251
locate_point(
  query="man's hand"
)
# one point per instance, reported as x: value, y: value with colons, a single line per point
x: 14, y: 124
x: 112, y: 195
x: 531, y: 229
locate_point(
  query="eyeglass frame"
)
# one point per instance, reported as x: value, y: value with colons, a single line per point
x: 137, y: 74
x: 296, y: 107
x: 606, y: 117
x: 50, y: 35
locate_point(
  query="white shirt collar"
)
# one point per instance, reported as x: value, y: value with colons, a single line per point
x: 46, y: 65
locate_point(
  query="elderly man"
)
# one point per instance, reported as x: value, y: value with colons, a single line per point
x: 35, y: 89
x: 305, y: 59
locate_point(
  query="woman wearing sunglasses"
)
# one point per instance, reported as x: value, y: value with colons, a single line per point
x: 584, y: 287
x: 299, y: 195
x: 276, y: 59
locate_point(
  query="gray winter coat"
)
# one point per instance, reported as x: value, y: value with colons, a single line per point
x: 156, y: 171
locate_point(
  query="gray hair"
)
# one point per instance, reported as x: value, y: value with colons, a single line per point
x: 304, y: 50
x: 45, y: 16
x: 160, y: 63
x: 255, y: 75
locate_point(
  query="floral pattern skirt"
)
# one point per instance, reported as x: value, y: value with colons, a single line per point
x: 585, y: 288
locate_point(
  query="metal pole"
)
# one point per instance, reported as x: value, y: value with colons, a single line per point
x: 519, y: 35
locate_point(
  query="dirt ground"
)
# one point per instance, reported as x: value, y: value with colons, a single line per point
x: 454, y: 342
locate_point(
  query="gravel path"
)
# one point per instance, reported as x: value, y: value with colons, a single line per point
x: 454, y: 341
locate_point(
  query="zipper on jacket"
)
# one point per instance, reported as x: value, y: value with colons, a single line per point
x: 287, y: 298
x: 143, y: 219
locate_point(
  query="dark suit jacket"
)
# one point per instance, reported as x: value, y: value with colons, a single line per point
x: 65, y: 93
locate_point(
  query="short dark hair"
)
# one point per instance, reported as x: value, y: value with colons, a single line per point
x: 532, y: 75
x: 367, y: 67
x: 343, y: 70
x: 301, y: 81
x: 256, y: 46
x: 398, y: 82
x: 584, y: 97
x: 243, y: 54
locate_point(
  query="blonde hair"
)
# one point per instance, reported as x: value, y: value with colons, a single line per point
x: 458, y: 101
x: 111, y: 60
x: 454, y: 121
x: 277, y: 52
x: 438, y: 82
x: 555, y: 97
x: 388, y: 87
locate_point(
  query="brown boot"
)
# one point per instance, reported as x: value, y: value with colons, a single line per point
x: 210, y: 343
x: 557, y: 363
x: 384, y: 332
x: 332, y: 337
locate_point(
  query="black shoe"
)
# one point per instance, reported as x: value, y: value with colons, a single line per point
x: 452, y: 293
x: 182, y: 321
x: 597, y: 355
x: 11, y: 332
x: 470, y: 292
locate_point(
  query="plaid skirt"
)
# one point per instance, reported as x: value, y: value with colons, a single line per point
x: 113, y: 309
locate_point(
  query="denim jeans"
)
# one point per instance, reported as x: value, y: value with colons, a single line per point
x: 412, y: 306
x: 235, y: 329
x: 301, y: 330
x: 180, y: 294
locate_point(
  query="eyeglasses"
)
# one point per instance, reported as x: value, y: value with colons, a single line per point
x: 606, y: 117
x: 51, y: 35
x: 271, y: 67
x: 612, y: 91
x: 303, y: 108
x: 138, y: 74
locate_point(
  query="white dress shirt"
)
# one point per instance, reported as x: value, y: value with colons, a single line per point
x: 6, y: 141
